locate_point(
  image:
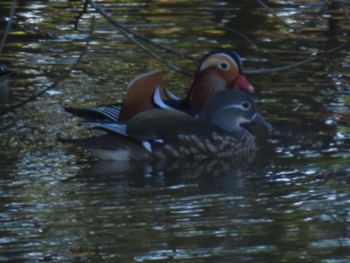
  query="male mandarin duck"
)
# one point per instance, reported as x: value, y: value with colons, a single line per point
x: 217, y: 71
x: 171, y: 134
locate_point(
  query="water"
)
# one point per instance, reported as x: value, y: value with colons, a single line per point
x: 58, y: 204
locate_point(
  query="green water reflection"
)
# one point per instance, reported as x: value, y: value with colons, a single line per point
x: 59, y: 204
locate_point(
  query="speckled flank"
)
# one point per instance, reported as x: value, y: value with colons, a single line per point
x: 240, y: 147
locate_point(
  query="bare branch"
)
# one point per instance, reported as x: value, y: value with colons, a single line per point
x: 12, y: 13
x: 128, y: 33
x: 272, y: 12
x: 346, y: 12
x: 136, y: 35
x: 58, y: 81
x: 131, y: 35
x: 297, y: 64
x: 255, y: 47
x: 77, y: 18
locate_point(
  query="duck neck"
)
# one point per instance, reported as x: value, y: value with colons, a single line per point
x: 203, y: 86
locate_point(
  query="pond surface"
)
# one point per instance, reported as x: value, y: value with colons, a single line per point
x: 59, y: 204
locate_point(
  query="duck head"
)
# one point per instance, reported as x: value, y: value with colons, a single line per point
x: 217, y: 71
x: 229, y: 109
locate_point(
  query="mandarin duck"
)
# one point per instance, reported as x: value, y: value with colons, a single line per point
x: 217, y: 71
x: 160, y: 133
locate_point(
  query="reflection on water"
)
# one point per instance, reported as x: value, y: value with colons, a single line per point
x: 212, y: 175
x: 291, y: 205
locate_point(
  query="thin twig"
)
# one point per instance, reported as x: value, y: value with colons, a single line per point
x: 77, y: 18
x: 12, y: 13
x: 241, y: 35
x: 59, y: 80
x: 272, y: 13
x: 135, y: 34
x: 255, y: 47
x: 127, y: 32
x: 131, y: 35
x: 346, y: 13
x: 297, y: 64
x: 294, y: 29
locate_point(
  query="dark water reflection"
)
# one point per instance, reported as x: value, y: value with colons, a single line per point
x: 59, y: 204
x: 212, y: 175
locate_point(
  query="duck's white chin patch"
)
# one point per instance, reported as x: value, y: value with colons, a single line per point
x: 114, y: 155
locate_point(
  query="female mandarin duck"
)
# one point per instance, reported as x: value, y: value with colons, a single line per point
x: 168, y: 133
x: 217, y: 71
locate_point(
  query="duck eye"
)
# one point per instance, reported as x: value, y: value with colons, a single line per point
x: 223, y: 65
x: 246, y: 105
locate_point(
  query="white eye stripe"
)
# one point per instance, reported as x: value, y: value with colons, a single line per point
x: 217, y: 59
x: 238, y: 106
x: 234, y: 106
x: 227, y: 57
